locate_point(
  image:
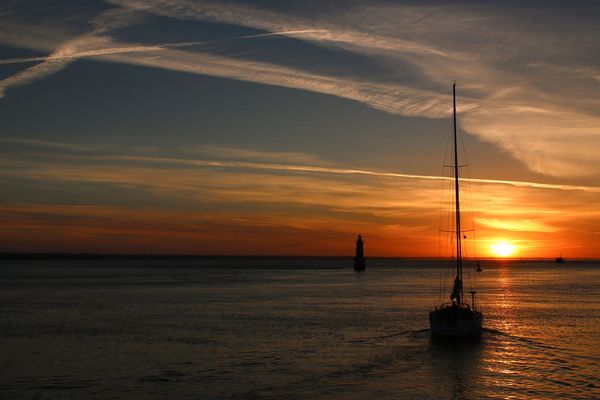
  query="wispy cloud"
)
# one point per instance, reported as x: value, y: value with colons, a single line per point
x: 503, y: 70
x: 179, y: 197
x: 519, y: 225
x: 66, y: 52
x: 237, y: 154
x: 48, y: 144
x: 256, y: 160
x: 394, y: 98
x: 311, y: 29
x: 342, y: 171
x: 32, y: 74
x: 527, y: 116
x: 67, y: 56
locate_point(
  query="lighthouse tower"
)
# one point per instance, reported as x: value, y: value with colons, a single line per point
x: 359, y: 259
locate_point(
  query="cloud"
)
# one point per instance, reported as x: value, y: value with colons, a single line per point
x: 186, y: 198
x: 393, y: 98
x: 48, y: 144
x: 332, y: 170
x: 32, y: 74
x: 69, y: 50
x: 69, y: 56
x: 520, y: 225
x: 310, y: 29
x: 259, y: 160
x: 235, y: 154
x: 517, y: 111
x: 530, y: 90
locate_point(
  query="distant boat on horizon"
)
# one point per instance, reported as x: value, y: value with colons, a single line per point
x: 559, y: 259
x: 457, y: 318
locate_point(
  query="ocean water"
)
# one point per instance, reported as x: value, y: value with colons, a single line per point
x: 292, y: 329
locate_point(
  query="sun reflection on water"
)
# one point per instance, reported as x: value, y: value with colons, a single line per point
x: 504, y: 302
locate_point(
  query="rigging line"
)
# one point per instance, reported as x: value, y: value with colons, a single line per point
x: 439, y: 264
x: 459, y: 266
x: 469, y: 197
x: 474, y: 249
x: 471, y: 217
x: 469, y: 200
x: 451, y: 237
x: 444, y: 218
x: 449, y: 212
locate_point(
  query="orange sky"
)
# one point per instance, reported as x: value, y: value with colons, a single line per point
x: 265, y: 128
x: 258, y: 211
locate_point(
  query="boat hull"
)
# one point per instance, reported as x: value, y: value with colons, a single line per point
x: 460, y: 322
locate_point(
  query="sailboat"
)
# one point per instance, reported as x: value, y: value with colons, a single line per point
x: 456, y: 318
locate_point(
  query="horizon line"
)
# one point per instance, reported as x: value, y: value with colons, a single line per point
x: 50, y: 255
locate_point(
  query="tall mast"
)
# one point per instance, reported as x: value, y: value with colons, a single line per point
x: 457, y: 203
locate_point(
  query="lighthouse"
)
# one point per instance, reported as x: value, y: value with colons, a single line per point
x: 359, y: 259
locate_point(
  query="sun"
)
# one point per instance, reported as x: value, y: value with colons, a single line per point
x: 503, y: 249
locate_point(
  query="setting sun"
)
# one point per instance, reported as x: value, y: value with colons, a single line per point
x: 503, y: 249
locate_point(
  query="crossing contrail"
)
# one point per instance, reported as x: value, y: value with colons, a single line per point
x: 143, y: 48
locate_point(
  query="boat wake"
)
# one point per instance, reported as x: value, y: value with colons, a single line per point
x: 486, y: 332
x: 491, y: 331
x: 407, y: 333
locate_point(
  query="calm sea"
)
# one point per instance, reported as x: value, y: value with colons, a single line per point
x: 292, y: 329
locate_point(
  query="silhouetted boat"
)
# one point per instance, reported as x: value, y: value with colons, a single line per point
x: 457, y: 318
x: 559, y: 260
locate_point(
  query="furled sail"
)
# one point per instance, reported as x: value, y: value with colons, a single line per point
x: 457, y: 290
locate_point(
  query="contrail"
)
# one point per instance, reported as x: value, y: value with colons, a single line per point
x: 289, y: 167
x: 137, y: 49
x: 328, y: 170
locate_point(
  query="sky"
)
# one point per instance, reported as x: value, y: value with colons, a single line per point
x: 287, y: 128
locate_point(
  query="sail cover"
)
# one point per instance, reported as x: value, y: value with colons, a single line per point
x: 457, y: 289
